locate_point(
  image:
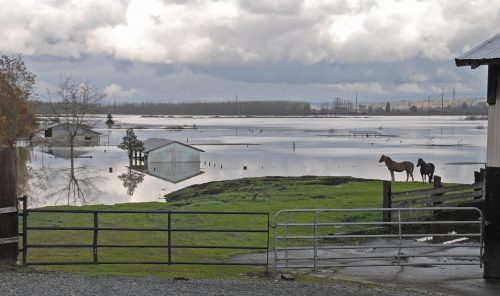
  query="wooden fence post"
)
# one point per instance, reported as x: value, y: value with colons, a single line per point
x: 478, y: 178
x: 387, y: 201
x: 8, y: 198
x: 437, y: 184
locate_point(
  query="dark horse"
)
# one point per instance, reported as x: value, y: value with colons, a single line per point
x: 426, y: 169
x: 398, y: 166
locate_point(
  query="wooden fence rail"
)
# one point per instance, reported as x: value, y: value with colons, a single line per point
x: 439, y: 195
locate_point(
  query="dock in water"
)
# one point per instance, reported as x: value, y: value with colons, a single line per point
x: 364, y: 133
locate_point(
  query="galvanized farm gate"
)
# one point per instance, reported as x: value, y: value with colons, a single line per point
x: 258, y: 226
x: 317, y: 238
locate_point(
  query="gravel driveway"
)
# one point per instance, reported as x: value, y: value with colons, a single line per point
x: 28, y: 283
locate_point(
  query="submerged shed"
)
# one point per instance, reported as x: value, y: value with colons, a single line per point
x: 59, y: 134
x: 165, y: 150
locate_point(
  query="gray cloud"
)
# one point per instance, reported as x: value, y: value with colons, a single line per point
x: 301, y: 49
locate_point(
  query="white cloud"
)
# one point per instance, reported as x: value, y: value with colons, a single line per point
x: 367, y: 88
x: 410, y: 88
x: 115, y: 90
x: 241, y: 31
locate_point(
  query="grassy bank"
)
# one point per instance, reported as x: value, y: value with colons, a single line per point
x: 268, y: 194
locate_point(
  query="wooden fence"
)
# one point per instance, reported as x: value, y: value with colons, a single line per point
x: 8, y: 205
x: 438, y: 196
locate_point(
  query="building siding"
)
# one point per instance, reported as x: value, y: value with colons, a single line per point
x: 493, y: 138
x: 84, y: 137
x: 174, y: 152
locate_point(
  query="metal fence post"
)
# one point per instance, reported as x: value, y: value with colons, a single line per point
x: 94, y: 241
x: 285, y: 232
x: 25, y: 228
x: 169, y: 237
x: 400, y: 236
x: 267, y: 249
x: 315, y: 239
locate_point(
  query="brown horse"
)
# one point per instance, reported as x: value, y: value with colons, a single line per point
x: 398, y: 167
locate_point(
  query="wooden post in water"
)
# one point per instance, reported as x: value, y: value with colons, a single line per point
x: 8, y: 199
x: 386, y: 215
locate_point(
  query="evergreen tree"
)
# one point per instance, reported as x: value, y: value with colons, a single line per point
x: 110, y: 120
x: 131, y: 143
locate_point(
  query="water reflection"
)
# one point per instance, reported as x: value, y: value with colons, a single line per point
x: 67, y: 184
x: 28, y: 176
x: 78, y: 186
x: 131, y: 179
x: 173, y: 172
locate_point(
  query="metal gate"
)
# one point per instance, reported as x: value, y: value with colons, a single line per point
x: 98, y: 234
x: 316, y: 238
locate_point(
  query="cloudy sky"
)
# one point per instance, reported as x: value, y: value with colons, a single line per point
x: 208, y: 50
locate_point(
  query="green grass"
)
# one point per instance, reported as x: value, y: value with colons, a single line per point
x: 268, y: 194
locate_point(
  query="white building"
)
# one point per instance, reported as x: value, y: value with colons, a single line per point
x: 58, y: 135
x: 164, y: 150
x: 171, y: 160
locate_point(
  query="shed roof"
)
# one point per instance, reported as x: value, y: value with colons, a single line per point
x: 67, y: 123
x: 486, y: 53
x: 155, y: 143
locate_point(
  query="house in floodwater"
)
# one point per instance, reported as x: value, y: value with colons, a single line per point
x: 58, y: 135
x: 171, y: 160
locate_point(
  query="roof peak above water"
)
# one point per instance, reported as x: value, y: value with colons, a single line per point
x: 155, y: 143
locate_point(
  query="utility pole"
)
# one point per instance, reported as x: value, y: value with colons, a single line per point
x: 442, y: 99
x: 453, y: 100
x: 237, y: 106
x: 428, y: 104
x: 356, y: 102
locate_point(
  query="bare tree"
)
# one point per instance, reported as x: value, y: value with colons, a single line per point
x: 72, y: 101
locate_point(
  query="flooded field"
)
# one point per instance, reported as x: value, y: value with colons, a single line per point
x: 252, y: 147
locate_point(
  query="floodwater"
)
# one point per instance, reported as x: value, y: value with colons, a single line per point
x: 253, y: 147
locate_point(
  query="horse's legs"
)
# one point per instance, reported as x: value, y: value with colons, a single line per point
x: 411, y: 174
x: 392, y: 175
x: 430, y: 177
x: 408, y: 174
x: 423, y: 177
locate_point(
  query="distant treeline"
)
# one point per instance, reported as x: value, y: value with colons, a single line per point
x: 262, y: 108
x: 337, y: 106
